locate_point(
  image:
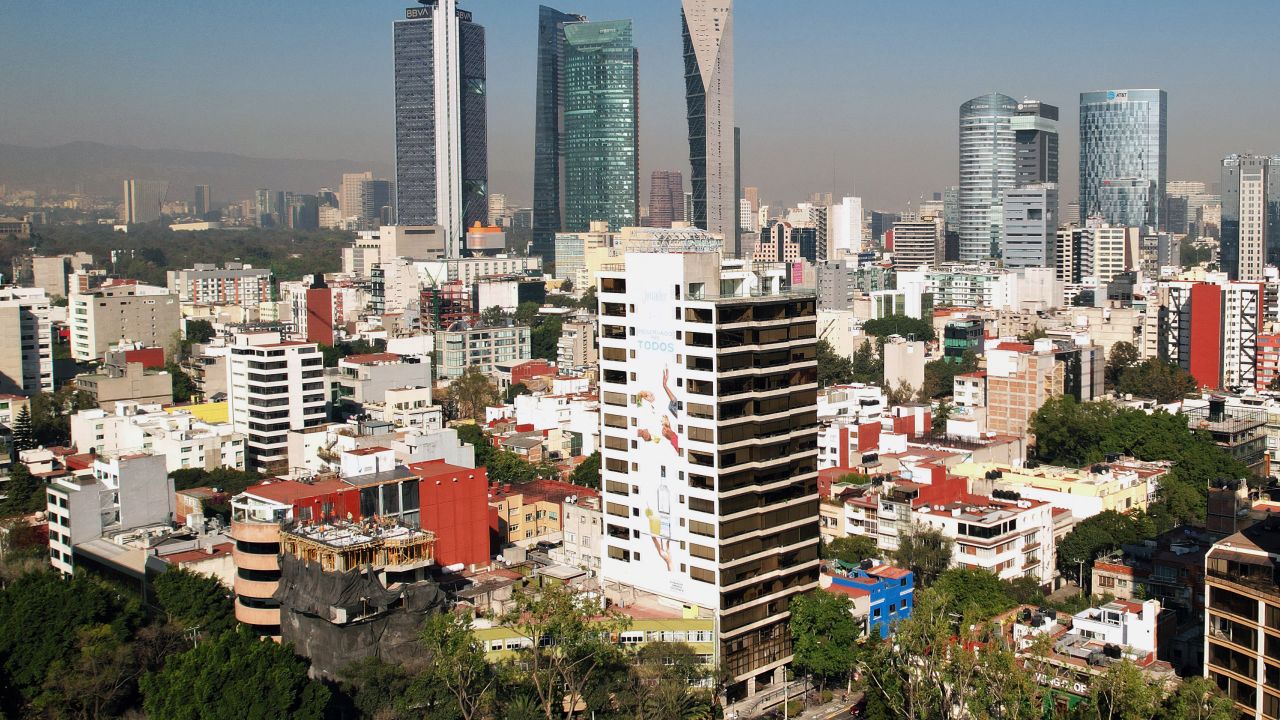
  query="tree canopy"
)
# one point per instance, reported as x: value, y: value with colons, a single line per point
x: 926, y: 551
x: 824, y: 635
x: 907, y: 327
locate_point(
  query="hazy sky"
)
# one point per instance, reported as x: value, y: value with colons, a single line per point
x: 852, y: 96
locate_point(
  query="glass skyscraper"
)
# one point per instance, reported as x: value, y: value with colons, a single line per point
x: 442, y: 161
x: 1123, y: 156
x: 988, y: 167
x: 548, y: 159
x: 707, y: 30
x: 601, y: 142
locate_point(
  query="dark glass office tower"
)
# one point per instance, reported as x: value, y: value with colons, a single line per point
x: 548, y: 166
x: 599, y: 89
x: 442, y: 165
x: 1035, y: 129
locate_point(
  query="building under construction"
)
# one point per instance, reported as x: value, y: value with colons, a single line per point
x: 349, y: 591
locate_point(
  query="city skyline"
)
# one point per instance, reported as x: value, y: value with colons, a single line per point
x: 881, y: 109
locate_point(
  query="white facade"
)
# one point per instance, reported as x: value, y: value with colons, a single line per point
x: 179, y: 437
x: 26, y: 358
x: 1129, y: 625
x: 918, y: 243
x: 845, y: 228
x: 274, y: 387
x: 371, y: 247
x: 1009, y: 539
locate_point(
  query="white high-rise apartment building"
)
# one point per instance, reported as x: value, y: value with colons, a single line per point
x: 497, y: 208
x: 274, y: 387
x: 709, y: 445
x: 845, y: 228
x: 1111, y: 250
x: 988, y: 167
x: 124, y: 310
x: 746, y: 217
x: 918, y: 243
x: 708, y: 70
x: 26, y: 358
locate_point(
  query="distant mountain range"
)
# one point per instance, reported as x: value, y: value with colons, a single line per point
x: 99, y: 169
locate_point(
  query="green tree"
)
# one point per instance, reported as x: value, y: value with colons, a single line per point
x: 833, y: 368
x: 1122, y: 692
x: 458, y: 662
x: 475, y: 436
x: 195, y: 602
x: 183, y: 386
x: 98, y: 680
x: 199, y: 331
x: 1166, y: 382
x: 1101, y: 533
x: 588, y: 300
x: 515, y: 390
x: 577, y: 644
x: 1123, y: 356
x: 974, y: 594
x: 824, y: 636
x: 940, y: 374
x: 926, y: 551
x: 587, y: 473
x: 544, y: 338
x: 1197, y: 698
x: 376, y: 688
x: 1034, y: 334
x: 507, y: 467
x: 24, y: 492
x: 851, y: 549
x: 41, y: 615
x: 902, y: 394
x: 234, y: 676
x: 24, y: 434
x: 938, y: 419
x: 907, y: 327
x: 494, y: 315
x: 473, y: 391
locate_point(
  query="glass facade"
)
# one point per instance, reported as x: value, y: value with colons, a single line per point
x: 601, y: 142
x: 426, y: 151
x: 1123, y: 156
x: 548, y: 175
x: 988, y: 167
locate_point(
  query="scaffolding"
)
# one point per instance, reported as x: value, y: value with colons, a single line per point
x: 343, y: 546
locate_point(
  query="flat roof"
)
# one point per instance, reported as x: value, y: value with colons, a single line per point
x: 287, y: 492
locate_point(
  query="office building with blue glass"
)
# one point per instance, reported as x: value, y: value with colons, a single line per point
x: 1123, y: 156
x: 548, y: 128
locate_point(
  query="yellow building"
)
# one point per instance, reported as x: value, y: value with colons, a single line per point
x: 210, y: 412
x: 532, y: 510
x: 1123, y: 485
x: 500, y: 642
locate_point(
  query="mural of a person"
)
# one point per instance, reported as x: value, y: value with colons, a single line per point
x: 653, y: 424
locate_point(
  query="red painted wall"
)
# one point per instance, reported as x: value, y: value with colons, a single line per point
x: 151, y: 358
x: 1206, y: 335
x: 531, y: 369
x: 320, y: 315
x: 455, y: 506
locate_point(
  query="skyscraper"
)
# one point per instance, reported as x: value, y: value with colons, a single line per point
x: 707, y: 28
x: 1123, y: 156
x: 375, y: 198
x: 702, y: 503
x: 202, y: 204
x: 442, y: 161
x: 988, y: 167
x: 1030, y: 226
x: 1250, y: 230
x: 1035, y: 127
x: 601, y: 125
x: 548, y: 160
x: 846, y: 228
x: 350, y: 201
x: 143, y: 200
x: 666, y: 198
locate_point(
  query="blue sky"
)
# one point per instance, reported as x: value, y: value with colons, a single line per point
x: 851, y: 96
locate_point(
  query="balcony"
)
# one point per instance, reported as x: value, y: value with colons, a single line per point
x: 257, y: 616
x: 256, y: 588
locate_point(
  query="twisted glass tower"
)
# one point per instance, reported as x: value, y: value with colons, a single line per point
x: 988, y: 167
x: 707, y: 29
x: 1123, y: 156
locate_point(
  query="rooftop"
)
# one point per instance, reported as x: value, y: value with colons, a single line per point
x: 288, y: 492
x: 371, y: 358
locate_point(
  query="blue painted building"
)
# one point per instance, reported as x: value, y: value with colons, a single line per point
x: 881, y: 594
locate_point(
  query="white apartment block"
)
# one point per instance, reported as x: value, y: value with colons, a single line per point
x: 26, y: 356
x: 183, y: 440
x: 709, y: 445
x: 1009, y: 539
x: 126, y: 310
x: 231, y: 284
x: 274, y: 387
x: 371, y: 247
x: 121, y: 493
